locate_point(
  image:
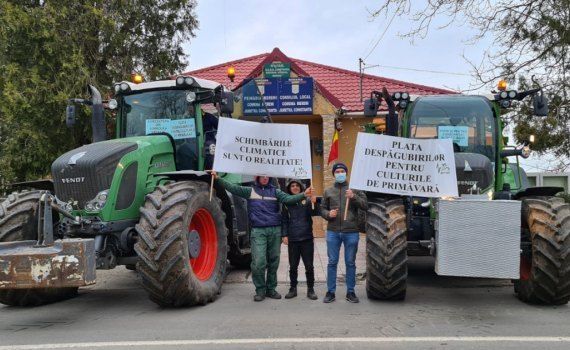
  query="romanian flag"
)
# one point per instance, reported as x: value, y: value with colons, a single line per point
x: 334, y: 147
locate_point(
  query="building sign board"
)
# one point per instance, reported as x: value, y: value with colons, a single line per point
x: 281, y: 96
x: 277, y: 70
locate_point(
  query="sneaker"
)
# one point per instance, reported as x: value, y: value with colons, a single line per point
x: 273, y: 295
x: 311, y: 294
x: 351, y: 297
x: 329, y: 298
x: 258, y: 297
x: 292, y: 293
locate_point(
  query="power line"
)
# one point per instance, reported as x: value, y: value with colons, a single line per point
x: 381, y: 36
x: 420, y: 70
x: 371, y: 41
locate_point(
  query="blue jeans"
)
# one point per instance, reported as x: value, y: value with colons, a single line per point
x: 334, y: 241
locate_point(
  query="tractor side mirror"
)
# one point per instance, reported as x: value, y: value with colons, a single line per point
x: 540, y: 105
x: 371, y: 107
x: 70, y: 116
x: 227, y: 102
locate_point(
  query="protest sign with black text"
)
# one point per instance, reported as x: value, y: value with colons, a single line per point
x: 402, y: 166
x: 252, y: 148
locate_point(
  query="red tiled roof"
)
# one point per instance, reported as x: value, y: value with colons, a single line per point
x: 339, y: 86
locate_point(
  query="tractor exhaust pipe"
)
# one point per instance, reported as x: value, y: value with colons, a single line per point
x: 98, y: 126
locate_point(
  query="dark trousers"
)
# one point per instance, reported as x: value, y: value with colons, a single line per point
x: 297, y: 250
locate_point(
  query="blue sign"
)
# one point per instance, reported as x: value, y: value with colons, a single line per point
x: 281, y: 96
x: 459, y: 134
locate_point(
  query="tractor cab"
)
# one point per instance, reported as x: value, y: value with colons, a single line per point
x: 470, y: 123
x: 173, y: 108
x: 474, y: 125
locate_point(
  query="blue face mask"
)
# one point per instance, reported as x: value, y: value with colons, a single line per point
x: 340, y: 177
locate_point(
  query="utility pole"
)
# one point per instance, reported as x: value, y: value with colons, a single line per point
x: 361, y: 71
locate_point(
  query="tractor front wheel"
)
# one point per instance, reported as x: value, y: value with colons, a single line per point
x: 19, y: 222
x: 182, y: 245
x: 386, y: 249
x: 545, y: 270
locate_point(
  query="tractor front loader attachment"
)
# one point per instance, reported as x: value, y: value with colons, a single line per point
x: 45, y: 263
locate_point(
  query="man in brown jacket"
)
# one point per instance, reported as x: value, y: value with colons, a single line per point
x: 340, y: 231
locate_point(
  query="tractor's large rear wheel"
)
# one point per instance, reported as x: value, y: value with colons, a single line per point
x: 182, y: 245
x: 19, y: 222
x: 545, y: 272
x: 386, y: 249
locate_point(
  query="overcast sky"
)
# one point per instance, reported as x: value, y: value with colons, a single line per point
x: 335, y: 33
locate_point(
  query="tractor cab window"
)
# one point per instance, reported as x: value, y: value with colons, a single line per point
x: 163, y: 111
x: 468, y: 121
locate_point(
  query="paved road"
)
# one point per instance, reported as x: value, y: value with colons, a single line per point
x: 438, y: 313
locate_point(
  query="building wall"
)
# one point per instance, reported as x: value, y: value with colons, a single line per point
x: 550, y: 179
x: 321, y: 129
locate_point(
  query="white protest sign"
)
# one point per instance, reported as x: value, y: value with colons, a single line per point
x: 397, y: 165
x: 252, y: 148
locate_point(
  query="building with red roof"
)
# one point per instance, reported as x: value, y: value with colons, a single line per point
x: 336, y: 95
x: 340, y: 86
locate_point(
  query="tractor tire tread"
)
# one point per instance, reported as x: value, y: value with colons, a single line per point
x: 163, y: 257
x: 386, y: 249
x: 548, y: 221
x: 18, y: 222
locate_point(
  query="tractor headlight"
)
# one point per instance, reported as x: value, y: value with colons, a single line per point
x: 503, y: 94
x: 505, y: 103
x: 98, y: 202
x: 121, y: 87
x: 397, y: 96
x: 405, y: 96
x: 512, y: 94
x: 112, y: 104
x: 184, y: 81
x: 190, y: 96
x: 525, y: 152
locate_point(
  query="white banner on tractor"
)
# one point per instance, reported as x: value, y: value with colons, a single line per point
x: 402, y: 166
x: 253, y: 148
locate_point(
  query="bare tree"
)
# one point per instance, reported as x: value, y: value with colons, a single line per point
x: 531, y: 38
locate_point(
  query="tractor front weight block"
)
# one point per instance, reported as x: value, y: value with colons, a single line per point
x: 66, y: 263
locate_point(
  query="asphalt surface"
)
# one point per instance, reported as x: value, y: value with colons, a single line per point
x: 448, y: 313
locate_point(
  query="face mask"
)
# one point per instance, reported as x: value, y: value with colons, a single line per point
x: 340, y: 177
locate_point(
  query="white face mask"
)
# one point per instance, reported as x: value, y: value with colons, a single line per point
x: 340, y: 177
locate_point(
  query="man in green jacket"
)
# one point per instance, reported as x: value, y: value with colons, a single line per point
x: 341, y: 230
x: 263, y: 203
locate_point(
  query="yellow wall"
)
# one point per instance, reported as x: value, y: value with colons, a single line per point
x: 351, y: 126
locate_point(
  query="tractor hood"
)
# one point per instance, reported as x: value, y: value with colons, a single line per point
x: 80, y: 174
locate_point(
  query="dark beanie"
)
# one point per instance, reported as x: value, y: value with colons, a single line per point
x: 339, y: 166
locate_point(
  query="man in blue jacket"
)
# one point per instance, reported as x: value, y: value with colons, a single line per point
x: 263, y: 203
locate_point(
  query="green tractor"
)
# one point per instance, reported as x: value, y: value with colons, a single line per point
x: 142, y: 200
x: 498, y: 222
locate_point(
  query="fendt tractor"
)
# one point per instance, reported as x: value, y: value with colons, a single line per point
x: 499, y: 227
x: 141, y: 200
